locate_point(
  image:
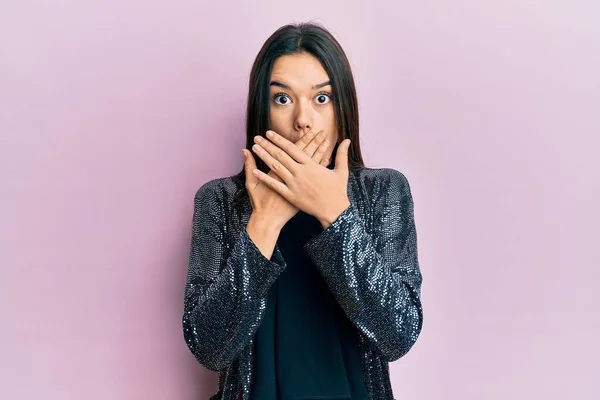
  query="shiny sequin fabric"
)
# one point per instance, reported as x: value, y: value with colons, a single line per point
x: 367, y: 257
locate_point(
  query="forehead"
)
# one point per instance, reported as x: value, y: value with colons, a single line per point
x: 299, y: 70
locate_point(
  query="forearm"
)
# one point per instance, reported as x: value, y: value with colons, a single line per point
x: 380, y: 294
x: 221, y: 317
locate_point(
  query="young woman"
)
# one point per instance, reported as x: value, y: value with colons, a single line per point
x: 304, y: 280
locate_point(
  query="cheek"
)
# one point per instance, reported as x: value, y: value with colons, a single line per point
x: 280, y: 114
x: 330, y: 116
x: 276, y: 119
x: 280, y: 122
x: 332, y: 126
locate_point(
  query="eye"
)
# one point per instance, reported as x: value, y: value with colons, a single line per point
x: 281, y: 95
x: 282, y: 99
x: 323, y: 98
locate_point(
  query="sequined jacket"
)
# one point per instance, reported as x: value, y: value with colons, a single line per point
x: 367, y: 257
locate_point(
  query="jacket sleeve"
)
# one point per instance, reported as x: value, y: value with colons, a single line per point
x: 226, y: 290
x: 375, y: 277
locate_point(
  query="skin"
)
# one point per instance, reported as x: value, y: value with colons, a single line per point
x: 268, y: 207
x: 300, y: 106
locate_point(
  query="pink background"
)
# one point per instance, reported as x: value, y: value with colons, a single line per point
x: 113, y: 113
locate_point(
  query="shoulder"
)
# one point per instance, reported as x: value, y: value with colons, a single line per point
x: 383, y: 180
x: 221, y: 188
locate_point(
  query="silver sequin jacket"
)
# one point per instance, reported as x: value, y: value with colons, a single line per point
x: 367, y: 257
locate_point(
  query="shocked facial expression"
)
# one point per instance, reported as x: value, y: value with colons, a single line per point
x: 301, y: 99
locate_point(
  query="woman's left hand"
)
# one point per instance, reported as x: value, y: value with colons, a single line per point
x: 311, y: 187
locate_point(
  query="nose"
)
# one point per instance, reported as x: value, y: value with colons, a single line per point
x: 304, y: 118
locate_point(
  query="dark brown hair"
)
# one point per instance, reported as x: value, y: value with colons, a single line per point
x: 313, y: 39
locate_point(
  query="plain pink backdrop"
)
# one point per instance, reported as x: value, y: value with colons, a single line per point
x: 114, y: 112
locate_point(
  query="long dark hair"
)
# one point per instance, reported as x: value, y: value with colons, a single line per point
x: 312, y: 39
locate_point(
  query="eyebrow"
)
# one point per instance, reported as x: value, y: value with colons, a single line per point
x: 283, y: 85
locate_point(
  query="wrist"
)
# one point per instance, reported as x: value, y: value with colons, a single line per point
x: 330, y: 215
x: 263, y: 223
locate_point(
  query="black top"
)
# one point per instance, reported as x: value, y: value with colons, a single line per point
x: 306, y: 347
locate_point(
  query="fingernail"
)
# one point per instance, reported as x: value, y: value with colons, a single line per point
x: 347, y: 143
x: 269, y: 134
x: 244, y: 153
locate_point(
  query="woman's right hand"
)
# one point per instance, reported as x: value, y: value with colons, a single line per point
x: 267, y: 203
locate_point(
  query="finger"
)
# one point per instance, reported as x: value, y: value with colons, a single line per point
x: 319, y: 156
x: 277, y: 153
x: 290, y: 156
x: 275, y: 165
x: 274, y: 184
x: 249, y: 165
x: 312, y: 147
x: 274, y: 176
x: 306, y: 139
x: 341, y: 157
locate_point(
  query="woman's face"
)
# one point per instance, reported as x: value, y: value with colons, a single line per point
x: 301, y: 99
